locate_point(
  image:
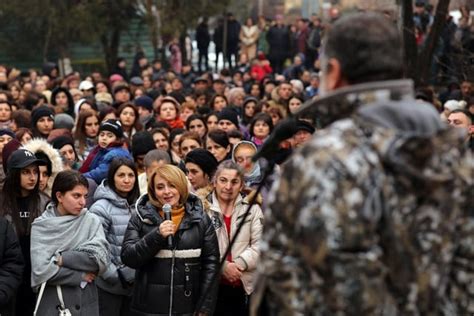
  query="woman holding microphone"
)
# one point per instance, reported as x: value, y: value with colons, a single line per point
x: 174, y: 258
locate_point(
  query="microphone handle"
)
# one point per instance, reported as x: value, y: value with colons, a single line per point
x: 170, y: 238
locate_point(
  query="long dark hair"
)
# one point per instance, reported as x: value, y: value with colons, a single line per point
x: 137, y: 124
x: 67, y: 181
x: 10, y: 206
x: 70, y: 100
x: 116, y: 163
x: 80, y: 132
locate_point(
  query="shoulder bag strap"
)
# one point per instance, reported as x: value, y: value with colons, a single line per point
x: 60, y: 296
x: 40, y: 296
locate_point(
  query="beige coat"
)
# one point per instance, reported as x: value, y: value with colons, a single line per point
x: 246, y: 251
x: 248, y: 40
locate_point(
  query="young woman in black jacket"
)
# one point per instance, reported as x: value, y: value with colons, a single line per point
x: 171, y: 278
x: 21, y: 203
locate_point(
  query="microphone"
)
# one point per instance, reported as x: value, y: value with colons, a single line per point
x: 167, y: 211
x: 284, y: 130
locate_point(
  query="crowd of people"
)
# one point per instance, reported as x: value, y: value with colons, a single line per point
x: 91, y: 163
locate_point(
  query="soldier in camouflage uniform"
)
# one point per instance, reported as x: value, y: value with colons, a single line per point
x: 374, y: 215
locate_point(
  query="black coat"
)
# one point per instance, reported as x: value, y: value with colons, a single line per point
x: 11, y: 266
x: 203, y: 38
x: 145, y: 250
x: 233, y: 32
x: 278, y: 38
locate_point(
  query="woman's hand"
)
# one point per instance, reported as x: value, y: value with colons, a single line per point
x: 231, y: 272
x: 167, y: 228
x: 89, y: 277
x: 59, y: 262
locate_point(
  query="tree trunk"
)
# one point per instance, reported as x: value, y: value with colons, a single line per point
x: 111, y: 49
x: 152, y: 25
x: 426, y: 55
x: 46, y: 42
x: 409, y: 42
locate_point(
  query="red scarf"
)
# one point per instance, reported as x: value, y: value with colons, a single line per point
x: 176, y: 123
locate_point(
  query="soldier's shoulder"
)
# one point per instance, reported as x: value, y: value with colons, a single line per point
x: 342, y: 145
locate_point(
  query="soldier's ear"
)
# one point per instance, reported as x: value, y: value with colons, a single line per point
x: 333, y: 75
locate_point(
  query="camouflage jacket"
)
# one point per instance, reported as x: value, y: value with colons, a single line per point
x: 372, y: 217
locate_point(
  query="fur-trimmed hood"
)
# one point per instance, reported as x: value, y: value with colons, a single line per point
x: 38, y: 144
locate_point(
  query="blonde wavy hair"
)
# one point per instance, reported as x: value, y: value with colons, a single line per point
x: 174, y: 176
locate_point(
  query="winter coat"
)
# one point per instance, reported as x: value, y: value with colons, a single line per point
x: 217, y: 38
x: 196, y: 259
x: 41, y: 145
x: 278, y: 38
x: 114, y: 213
x: 11, y: 267
x: 203, y: 38
x: 90, y: 144
x: 233, y: 32
x: 245, y: 252
x: 373, y: 216
x: 248, y: 40
x: 100, y: 165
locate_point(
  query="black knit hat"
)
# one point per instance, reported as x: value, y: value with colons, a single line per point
x: 230, y: 115
x: 39, y: 113
x: 145, y: 102
x: 113, y: 126
x: 204, y: 159
x: 142, y: 143
x: 7, y: 131
x: 61, y: 141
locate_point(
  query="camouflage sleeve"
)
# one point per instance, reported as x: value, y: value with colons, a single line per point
x: 462, y: 289
x: 295, y: 235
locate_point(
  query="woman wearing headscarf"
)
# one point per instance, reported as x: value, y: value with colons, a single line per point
x: 42, y: 122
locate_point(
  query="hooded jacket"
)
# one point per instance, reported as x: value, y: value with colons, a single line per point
x: 114, y: 213
x: 38, y: 144
x: 195, y: 258
x: 374, y: 215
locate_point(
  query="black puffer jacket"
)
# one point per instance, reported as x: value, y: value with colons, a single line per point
x: 11, y: 267
x: 196, y: 259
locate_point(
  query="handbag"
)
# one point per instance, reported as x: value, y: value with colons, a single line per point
x: 63, y: 311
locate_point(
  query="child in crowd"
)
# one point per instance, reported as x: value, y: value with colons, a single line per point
x: 110, y: 146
